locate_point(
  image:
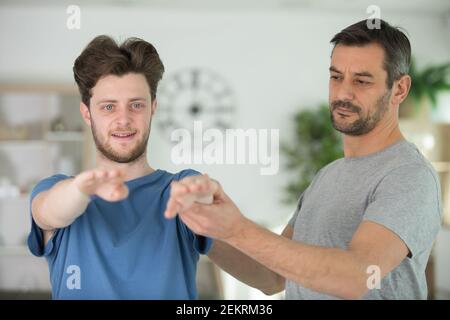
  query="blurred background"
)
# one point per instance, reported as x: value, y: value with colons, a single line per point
x: 249, y: 64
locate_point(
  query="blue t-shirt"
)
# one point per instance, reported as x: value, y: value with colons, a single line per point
x: 125, y: 249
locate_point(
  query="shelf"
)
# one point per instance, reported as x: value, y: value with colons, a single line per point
x: 64, y: 136
x: 47, y: 88
x: 24, y: 143
x: 50, y: 137
x: 32, y: 148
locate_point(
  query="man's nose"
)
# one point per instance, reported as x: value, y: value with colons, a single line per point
x: 123, y: 116
x: 344, y: 91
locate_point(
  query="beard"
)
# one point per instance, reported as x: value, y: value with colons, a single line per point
x: 364, y: 123
x: 121, y: 157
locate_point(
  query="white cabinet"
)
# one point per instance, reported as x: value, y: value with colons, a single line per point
x: 41, y: 133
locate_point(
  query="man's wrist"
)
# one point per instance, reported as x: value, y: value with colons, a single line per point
x: 240, y: 231
x: 82, y: 194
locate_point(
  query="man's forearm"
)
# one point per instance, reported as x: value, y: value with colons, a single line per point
x: 328, y: 270
x: 245, y: 269
x: 61, y: 205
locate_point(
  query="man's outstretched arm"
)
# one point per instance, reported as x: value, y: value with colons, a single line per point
x: 183, y: 194
x: 246, y: 269
x: 59, y: 206
x: 334, y: 271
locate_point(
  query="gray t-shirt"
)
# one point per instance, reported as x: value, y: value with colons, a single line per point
x: 397, y: 188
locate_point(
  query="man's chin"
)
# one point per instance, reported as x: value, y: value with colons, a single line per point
x: 345, y: 128
x: 352, y: 131
x: 341, y: 125
x: 122, y: 158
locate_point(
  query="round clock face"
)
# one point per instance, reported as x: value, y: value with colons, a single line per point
x: 195, y: 95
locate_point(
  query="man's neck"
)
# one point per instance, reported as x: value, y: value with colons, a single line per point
x: 376, y: 140
x: 133, y: 170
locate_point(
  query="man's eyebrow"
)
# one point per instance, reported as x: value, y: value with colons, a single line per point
x: 137, y: 99
x: 363, y: 74
x: 359, y: 74
x: 333, y: 69
x: 107, y: 100
x: 129, y: 100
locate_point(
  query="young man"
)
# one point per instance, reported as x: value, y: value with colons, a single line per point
x: 371, y: 216
x: 103, y: 231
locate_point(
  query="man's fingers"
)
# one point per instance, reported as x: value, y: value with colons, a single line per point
x: 185, y: 192
x: 119, y: 192
x: 177, y: 204
x: 114, y: 177
x: 172, y: 211
x: 100, y: 174
x: 84, y: 180
x: 86, y: 177
x: 177, y: 189
x: 113, y: 174
x: 120, y: 186
x: 172, y: 208
x: 191, y: 222
x: 196, y: 187
x: 198, y: 184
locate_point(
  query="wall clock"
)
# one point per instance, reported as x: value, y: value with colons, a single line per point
x: 195, y: 94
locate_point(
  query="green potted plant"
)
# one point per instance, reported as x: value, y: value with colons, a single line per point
x: 425, y: 87
x: 315, y: 144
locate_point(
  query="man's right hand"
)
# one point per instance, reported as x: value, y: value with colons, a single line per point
x: 107, y: 184
x: 59, y: 206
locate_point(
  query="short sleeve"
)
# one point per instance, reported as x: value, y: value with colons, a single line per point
x: 297, y: 210
x: 35, y: 238
x: 316, y: 178
x: 407, y: 201
x: 201, y: 244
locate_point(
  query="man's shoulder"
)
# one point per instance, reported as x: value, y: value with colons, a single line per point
x: 333, y: 165
x: 166, y: 177
x: 409, y: 160
x: 54, y: 178
x: 415, y: 173
x: 48, y: 182
x: 184, y: 173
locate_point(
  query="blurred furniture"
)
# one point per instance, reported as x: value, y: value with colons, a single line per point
x: 41, y: 132
x: 432, y: 139
x: 209, y: 283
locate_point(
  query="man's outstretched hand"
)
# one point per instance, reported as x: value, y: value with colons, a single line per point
x: 204, y: 207
x: 107, y: 184
x: 187, y: 191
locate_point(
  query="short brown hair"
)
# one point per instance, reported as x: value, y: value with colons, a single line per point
x: 397, y: 49
x: 103, y: 56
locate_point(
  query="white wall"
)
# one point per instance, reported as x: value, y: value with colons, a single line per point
x: 276, y: 62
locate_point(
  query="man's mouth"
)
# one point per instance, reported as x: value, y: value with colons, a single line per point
x: 123, y: 136
x: 343, y: 112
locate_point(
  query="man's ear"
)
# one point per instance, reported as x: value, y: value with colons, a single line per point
x: 400, y: 90
x: 154, y: 106
x: 85, y: 113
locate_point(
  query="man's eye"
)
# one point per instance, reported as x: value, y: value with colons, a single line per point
x: 108, y: 107
x: 362, y: 82
x: 334, y: 77
x: 137, y: 105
